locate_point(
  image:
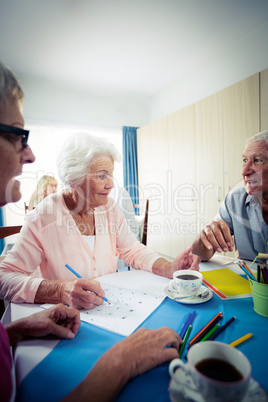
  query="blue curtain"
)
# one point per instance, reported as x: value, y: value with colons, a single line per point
x: 2, y: 242
x: 130, y: 163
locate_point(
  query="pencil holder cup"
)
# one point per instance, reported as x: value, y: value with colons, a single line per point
x: 260, y: 297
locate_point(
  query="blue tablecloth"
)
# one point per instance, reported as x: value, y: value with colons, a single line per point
x: 70, y: 360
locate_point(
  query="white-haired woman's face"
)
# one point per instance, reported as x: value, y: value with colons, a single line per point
x: 98, y: 182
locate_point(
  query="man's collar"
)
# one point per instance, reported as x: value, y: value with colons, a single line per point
x: 248, y: 199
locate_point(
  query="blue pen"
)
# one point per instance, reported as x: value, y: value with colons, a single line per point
x: 79, y: 276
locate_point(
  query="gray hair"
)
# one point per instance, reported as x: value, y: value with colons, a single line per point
x: 10, y: 88
x: 78, y: 152
x: 262, y: 136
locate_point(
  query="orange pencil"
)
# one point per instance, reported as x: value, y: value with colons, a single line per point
x: 216, y: 318
x: 248, y: 268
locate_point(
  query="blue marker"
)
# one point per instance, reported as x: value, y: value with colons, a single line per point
x: 79, y: 276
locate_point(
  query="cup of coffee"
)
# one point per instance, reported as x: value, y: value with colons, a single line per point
x: 217, y: 371
x: 186, y: 282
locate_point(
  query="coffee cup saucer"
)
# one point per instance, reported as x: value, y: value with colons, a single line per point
x: 183, y: 389
x: 194, y: 299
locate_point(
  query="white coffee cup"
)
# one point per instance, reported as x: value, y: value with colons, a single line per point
x: 186, y: 282
x: 211, y: 389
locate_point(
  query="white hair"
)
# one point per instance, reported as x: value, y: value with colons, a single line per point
x: 262, y: 136
x: 10, y: 88
x: 76, y: 154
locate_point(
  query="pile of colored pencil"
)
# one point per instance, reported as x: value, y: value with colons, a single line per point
x: 262, y: 273
x: 208, y: 332
x: 244, y: 266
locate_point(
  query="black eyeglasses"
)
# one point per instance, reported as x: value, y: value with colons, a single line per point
x: 24, y: 134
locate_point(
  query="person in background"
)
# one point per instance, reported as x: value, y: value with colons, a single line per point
x: 244, y: 212
x: 80, y: 226
x: 136, y: 354
x: 45, y: 186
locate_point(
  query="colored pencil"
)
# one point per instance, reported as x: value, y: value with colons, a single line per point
x: 221, y: 329
x: 264, y: 280
x: 185, y: 326
x: 79, y: 276
x: 214, y: 289
x: 188, y: 321
x: 259, y: 272
x: 185, y: 339
x: 247, y: 272
x: 265, y: 273
x: 206, y: 329
x: 210, y: 333
x: 248, y: 268
x: 240, y: 340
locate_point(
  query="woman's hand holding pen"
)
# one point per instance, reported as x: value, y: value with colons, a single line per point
x: 82, y: 293
x: 77, y: 293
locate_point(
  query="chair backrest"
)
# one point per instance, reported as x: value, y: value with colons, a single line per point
x: 9, y: 230
x: 26, y: 207
x: 144, y: 226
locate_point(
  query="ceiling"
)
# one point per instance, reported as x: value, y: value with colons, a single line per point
x: 125, y: 46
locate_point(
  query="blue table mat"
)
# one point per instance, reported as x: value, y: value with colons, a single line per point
x: 68, y: 363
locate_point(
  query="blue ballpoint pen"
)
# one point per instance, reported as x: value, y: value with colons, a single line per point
x: 79, y: 276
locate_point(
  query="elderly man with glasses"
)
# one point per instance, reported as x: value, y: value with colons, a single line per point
x: 13, y: 140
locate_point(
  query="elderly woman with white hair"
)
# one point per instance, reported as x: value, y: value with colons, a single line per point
x: 82, y: 227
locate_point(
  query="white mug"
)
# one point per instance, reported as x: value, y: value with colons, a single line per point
x: 192, y: 381
x: 186, y: 282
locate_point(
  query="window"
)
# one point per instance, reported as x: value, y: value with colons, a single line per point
x: 45, y: 140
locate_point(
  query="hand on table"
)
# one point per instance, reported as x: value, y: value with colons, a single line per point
x: 59, y: 320
x: 146, y: 349
x: 140, y: 352
x: 217, y: 236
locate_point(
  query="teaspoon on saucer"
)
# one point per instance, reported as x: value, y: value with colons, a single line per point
x: 200, y: 296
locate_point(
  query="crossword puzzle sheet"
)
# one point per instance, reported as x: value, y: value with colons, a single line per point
x: 126, y: 311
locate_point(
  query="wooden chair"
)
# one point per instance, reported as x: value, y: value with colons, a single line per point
x: 9, y: 230
x: 26, y: 207
x: 144, y: 224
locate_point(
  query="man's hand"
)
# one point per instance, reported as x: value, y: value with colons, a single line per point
x: 217, y: 236
x: 140, y: 352
x: 59, y: 320
x: 146, y: 349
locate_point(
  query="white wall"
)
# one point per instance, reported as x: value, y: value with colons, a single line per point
x: 244, y: 59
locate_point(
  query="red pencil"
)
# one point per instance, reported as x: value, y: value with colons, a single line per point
x: 203, y: 330
x: 214, y: 289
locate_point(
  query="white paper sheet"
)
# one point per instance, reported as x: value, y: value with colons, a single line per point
x: 132, y: 296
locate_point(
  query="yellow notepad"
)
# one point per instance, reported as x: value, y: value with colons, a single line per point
x: 228, y: 282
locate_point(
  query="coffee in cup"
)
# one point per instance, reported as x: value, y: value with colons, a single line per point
x: 218, y: 371
x: 186, y: 282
